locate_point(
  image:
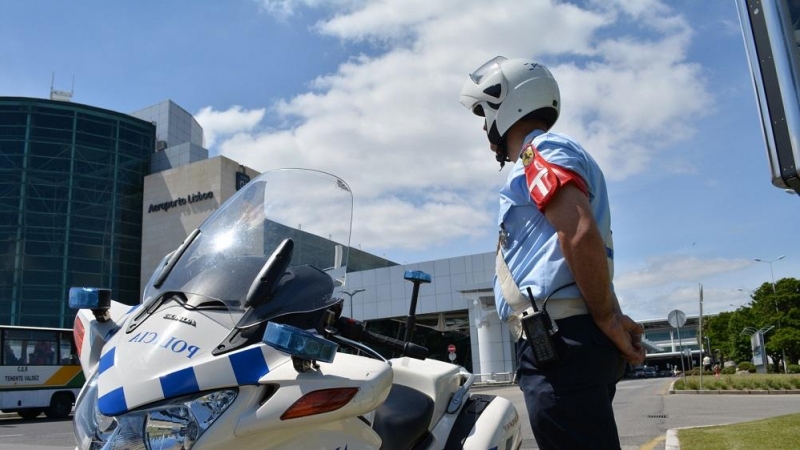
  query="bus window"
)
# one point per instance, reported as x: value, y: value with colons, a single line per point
x: 9, y: 355
x: 66, y: 349
x: 30, y: 347
x: 42, y: 354
x: 14, y: 352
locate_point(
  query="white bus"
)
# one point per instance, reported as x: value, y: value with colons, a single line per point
x: 39, y: 371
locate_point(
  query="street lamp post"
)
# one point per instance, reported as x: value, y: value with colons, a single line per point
x: 774, y: 291
x: 351, y: 294
x: 772, y: 274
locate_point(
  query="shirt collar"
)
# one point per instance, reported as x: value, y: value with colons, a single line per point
x: 533, y: 135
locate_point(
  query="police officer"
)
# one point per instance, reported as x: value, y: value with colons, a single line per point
x: 555, y: 241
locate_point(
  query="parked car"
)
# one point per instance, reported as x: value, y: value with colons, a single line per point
x: 650, y: 372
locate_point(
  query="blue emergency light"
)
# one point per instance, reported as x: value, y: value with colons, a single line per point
x: 417, y: 275
x: 89, y: 298
x: 299, y: 343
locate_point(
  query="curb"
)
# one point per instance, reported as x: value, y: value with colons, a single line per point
x: 672, y: 442
x: 734, y: 392
x: 671, y: 390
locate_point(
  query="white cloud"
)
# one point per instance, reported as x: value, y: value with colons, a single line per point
x: 685, y: 298
x: 389, y: 122
x: 663, y: 270
x: 670, y: 282
x: 223, y: 123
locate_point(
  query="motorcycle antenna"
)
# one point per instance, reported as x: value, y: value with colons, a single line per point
x: 417, y: 277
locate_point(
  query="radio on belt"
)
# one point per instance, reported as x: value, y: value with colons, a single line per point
x: 539, y: 331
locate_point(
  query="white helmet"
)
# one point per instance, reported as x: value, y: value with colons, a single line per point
x: 506, y: 90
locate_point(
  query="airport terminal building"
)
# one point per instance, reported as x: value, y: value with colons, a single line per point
x: 91, y: 197
x: 71, y: 180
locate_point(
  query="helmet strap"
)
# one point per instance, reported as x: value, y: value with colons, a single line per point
x: 501, y: 153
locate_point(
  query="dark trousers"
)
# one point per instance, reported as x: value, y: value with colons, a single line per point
x: 569, y: 404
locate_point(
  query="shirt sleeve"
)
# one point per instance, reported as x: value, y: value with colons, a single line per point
x: 545, y: 178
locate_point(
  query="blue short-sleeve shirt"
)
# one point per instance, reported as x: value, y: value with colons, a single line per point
x: 530, y: 247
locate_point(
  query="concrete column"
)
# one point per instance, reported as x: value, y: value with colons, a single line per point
x: 672, y: 340
x: 492, y: 356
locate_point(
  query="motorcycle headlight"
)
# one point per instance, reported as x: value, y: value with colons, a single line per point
x: 174, y: 424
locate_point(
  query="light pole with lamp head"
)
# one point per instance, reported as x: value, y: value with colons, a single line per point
x: 351, y: 294
x: 774, y: 291
x: 772, y: 274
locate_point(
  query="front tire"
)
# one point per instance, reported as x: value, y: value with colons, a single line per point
x: 60, y: 406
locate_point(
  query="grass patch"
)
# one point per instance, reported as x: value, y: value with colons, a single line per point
x: 741, y: 382
x: 776, y: 433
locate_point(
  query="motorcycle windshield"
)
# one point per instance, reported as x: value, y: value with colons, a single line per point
x: 312, y: 208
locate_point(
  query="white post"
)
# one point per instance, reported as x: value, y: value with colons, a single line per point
x: 700, y: 336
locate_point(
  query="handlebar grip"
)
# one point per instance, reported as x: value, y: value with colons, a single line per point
x: 415, y: 351
x: 353, y: 329
x: 404, y: 348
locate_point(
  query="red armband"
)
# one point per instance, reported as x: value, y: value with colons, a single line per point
x: 544, y: 178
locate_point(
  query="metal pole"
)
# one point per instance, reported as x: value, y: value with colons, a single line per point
x: 683, y: 368
x: 700, y: 336
x: 412, y: 319
x: 351, y: 294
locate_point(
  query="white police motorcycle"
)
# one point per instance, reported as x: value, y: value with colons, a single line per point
x: 236, y: 345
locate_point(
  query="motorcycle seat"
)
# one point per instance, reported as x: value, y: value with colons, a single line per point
x: 403, y: 419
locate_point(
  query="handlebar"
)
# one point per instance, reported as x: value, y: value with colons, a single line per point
x: 354, y: 329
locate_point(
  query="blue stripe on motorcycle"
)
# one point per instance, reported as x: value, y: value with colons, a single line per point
x: 249, y: 366
x: 113, y: 403
x: 106, y: 361
x: 179, y: 383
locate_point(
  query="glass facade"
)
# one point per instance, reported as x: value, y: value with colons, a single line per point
x: 179, y: 137
x: 320, y: 252
x: 71, y: 180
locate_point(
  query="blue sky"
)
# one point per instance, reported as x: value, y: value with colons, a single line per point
x: 658, y: 92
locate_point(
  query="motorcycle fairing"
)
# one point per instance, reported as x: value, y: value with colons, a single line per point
x: 126, y: 377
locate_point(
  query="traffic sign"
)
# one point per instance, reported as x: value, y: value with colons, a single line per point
x: 676, y: 318
x: 451, y: 348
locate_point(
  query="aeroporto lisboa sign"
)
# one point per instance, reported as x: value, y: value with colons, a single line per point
x: 180, y: 201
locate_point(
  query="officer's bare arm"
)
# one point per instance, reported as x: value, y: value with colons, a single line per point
x: 570, y: 214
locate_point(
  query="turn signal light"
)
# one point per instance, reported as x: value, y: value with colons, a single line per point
x: 77, y: 334
x: 318, y: 402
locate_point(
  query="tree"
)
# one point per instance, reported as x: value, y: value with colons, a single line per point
x: 716, y: 330
x: 777, y: 306
x: 739, y: 343
x: 724, y: 332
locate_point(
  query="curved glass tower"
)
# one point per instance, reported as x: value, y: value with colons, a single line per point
x: 71, y: 179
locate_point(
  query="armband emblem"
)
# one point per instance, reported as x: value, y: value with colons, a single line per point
x: 527, y: 156
x: 544, y: 179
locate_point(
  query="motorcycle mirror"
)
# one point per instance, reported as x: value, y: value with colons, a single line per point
x: 173, y: 259
x: 270, y: 274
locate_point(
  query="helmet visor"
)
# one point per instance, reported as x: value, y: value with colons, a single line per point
x: 490, y: 67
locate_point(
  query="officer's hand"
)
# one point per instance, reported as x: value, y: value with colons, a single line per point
x: 626, y: 335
